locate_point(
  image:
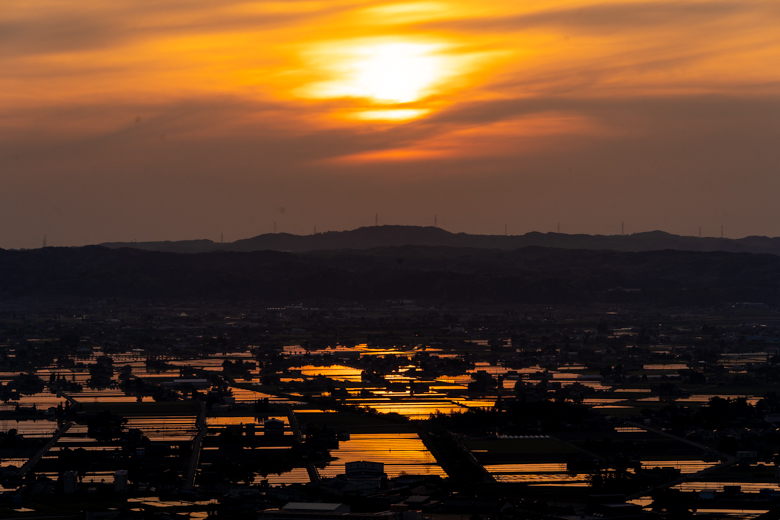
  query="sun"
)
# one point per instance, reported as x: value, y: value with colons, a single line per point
x: 383, y: 73
x: 394, y: 72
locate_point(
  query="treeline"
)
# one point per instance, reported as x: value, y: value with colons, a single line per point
x: 529, y: 275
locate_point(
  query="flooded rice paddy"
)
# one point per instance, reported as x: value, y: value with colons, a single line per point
x: 400, y: 453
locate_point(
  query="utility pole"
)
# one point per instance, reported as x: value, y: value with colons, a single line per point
x: 559, y: 227
x: 221, y: 238
x: 376, y: 219
x: 505, y: 233
x: 44, y: 240
x: 721, y: 231
x: 435, y: 221
x: 274, y: 228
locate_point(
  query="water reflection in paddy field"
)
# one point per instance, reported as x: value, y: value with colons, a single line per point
x: 171, y: 428
x: 476, y: 403
x: 742, y: 358
x: 591, y: 401
x: 685, y: 466
x: 666, y: 366
x: 456, y: 380
x: 30, y: 428
x: 544, y: 479
x: 242, y: 395
x: 741, y: 514
x: 296, y: 476
x: 42, y: 401
x: 13, y: 461
x: 495, y: 370
x: 217, y: 425
x: 87, y: 445
x: 543, y: 467
x: 642, y: 501
x: 107, y: 395
x: 238, y: 420
x: 157, y: 502
x: 356, y: 351
x: 335, y: 372
x: 400, y: 452
x: 210, y: 364
x: 745, y: 487
x: 705, y: 398
x: 411, y: 409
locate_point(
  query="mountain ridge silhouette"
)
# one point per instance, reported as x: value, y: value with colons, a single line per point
x: 393, y: 236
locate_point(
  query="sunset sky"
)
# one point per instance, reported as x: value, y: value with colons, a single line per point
x: 170, y: 119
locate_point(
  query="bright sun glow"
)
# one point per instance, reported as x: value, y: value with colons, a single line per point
x: 395, y: 72
x: 385, y: 73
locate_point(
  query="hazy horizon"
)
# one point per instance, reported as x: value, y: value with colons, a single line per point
x: 224, y: 238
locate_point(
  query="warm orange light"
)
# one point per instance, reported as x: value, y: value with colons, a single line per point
x: 385, y: 72
x: 395, y: 72
x: 390, y: 114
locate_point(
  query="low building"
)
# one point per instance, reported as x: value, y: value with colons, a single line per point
x: 120, y: 480
x: 364, y: 470
x: 273, y: 428
x: 70, y: 481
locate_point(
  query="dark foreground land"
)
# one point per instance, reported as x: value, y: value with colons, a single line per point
x: 397, y: 383
x: 433, y: 274
x: 196, y: 409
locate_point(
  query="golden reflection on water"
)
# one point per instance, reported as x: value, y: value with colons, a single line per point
x: 399, y: 452
x: 335, y: 372
x: 685, y: 466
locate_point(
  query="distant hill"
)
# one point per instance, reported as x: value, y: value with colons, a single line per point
x: 390, y: 236
x: 427, y: 273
